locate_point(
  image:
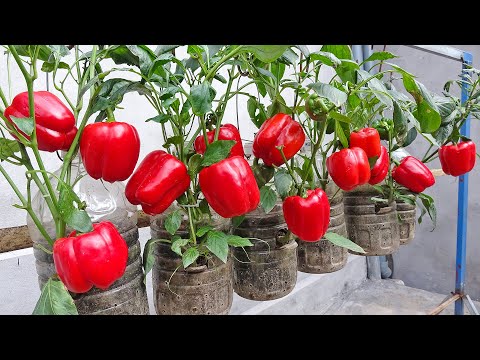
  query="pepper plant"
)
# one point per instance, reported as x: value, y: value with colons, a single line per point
x: 206, y: 158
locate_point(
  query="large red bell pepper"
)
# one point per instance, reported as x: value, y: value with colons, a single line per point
x: 380, y: 169
x: 226, y: 132
x: 308, y: 218
x: 55, y: 124
x: 413, y: 174
x: 349, y: 168
x: 110, y: 150
x: 158, y: 181
x: 230, y: 187
x: 368, y: 139
x: 279, y: 130
x: 458, y: 159
x: 97, y: 258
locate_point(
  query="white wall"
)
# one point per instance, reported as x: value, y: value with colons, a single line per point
x: 136, y: 110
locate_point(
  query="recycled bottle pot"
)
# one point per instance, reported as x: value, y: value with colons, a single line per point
x: 268, y: 269
x: 371, y: 225
x: 200, y: 290
x: 406, y: 221
x: 322, y: 256
x: 105, y: 202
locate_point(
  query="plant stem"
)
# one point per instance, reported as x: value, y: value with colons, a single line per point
x: 213, y: 71
x: 4, y: 99
x: 27, y: 206
x: 192, y: 227
x: 289, y: 169
x: 204, y: 129
x: 390, y: 178
x: 222, y: 105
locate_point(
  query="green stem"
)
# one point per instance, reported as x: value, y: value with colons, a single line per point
x: 222, y: 105
x: 204, y: 129
x: 27, y: 207
x: 213, y: 71
x: 289, y: 169
x: 390, y: 178
x: 4, y: 99
x: 110, y: 116
x: 314, y: 151
x: 192, y: 227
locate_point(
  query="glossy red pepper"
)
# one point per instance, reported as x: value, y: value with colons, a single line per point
x: 226, y: 132
x: 158, y: 181
x: 380, y: 169
x: 349, y: 168
x: 110, y: 150
x: 55, y: 124
x: 413, y: 174
x: 368, y: 139
x: 97, y: 258
x: 230, y: 187
x: 308, y: 218
x: 458, y: 159
x: 279, y: 130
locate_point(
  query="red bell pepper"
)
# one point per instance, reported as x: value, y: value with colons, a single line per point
x: 308, y: 218
x: 279, y: 130
x: 413, y: 174
x: 368, y: 139
x: 226, y: 132
x: 55, y: 123
x: 349, y: 168
x: 380, y: 169
x: 458, y: 159
x: 230, y: 187
x: 110, y: 150
x: 97, y: 258
x: 158, y: 181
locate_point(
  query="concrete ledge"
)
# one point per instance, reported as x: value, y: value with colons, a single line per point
x: 312, y: 294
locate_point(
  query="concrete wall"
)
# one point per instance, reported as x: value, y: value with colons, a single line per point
x: 429, y: 261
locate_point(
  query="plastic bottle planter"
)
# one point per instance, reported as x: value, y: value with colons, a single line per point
x: 322, y: 256
x: 267, y: 270
x: 406, y: 221
x: 201, y: 290
x: 371, y: 225
x: 106, y: 202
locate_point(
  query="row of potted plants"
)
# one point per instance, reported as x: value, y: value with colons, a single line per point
x: 317, y: 183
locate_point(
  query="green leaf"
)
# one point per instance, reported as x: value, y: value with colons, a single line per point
x: 399, y: 122
x: 341, y: 134
x: 44, y: 53
x: 340, y: 51
x: 218, y: 245
x: 337, y: 97
x: 443, y: 133
x: 162, y: 49
x: 411, y: 136
x: 341, y: 241
x: 74, y: 217
x: 177, y: 245
x: 266, y: 53
x: 238, y: 241
x: 162, y: 118
x: 203, y: 230
x: 429, y: 205
x: 268, y: 198
x: 283, y: 182
x: 52, y: 66
x: 194, y: 165
x: 201, y: 97
x: 55, y: 300
x: 8, y: 148
x: 340, y: 117
x: 265, y: 72
x: 189, y: 256
x: 173, y: 140
x: 173, y: 222
x: 326, y: 57
x: 347, y: 71
x: 217, y: 151
x: 237, y: 220
x: 149, y: 255
x: 380, y: 55
x: 303, y: 49
x: 25, y: 125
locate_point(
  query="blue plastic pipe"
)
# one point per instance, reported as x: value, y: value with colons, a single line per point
x: 462, y: 215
